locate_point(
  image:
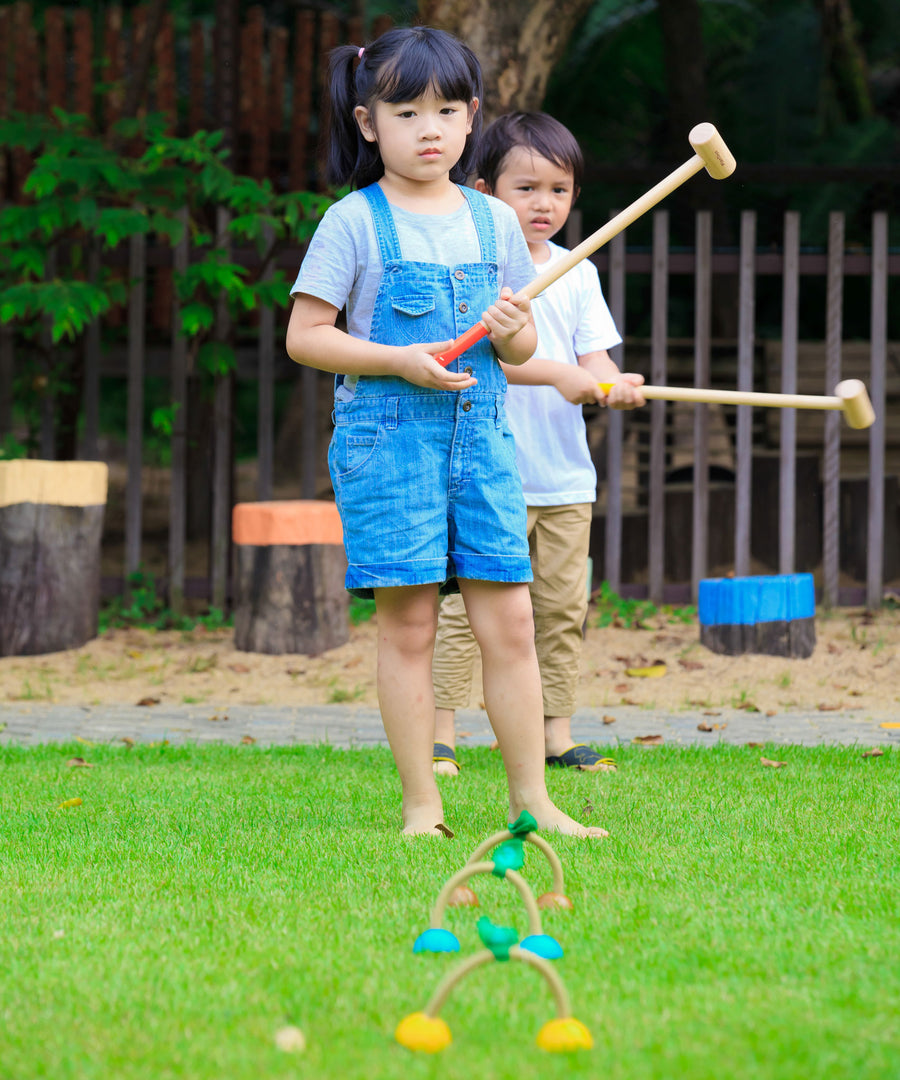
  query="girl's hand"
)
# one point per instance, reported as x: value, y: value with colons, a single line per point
x: 417, y: 364
x: 625, y: 393
x: 507, y: 317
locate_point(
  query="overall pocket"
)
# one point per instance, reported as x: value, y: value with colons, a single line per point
x: 413, y: 319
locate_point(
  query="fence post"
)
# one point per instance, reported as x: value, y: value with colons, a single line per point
x: 832, y: 458
x: 265, y: 433
x: 179, y: 396
x: 658, y: 345
x: 877, y: 391
x: 92, y: 348
x: 787, y: 494
x: 223, y: 446
x: 702, y: 332
x: 137, y: 304
x: 615, y: 423
x: 744, y: 464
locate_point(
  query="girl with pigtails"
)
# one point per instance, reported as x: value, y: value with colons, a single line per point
x: 421, y: 458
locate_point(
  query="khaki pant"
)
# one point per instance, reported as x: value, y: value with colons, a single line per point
x: 558, y: 541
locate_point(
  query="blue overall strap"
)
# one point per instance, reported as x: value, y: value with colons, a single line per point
x: 383, y: 219
x: 484, y: 223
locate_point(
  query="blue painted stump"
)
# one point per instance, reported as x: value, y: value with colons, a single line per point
x: 774, y: 615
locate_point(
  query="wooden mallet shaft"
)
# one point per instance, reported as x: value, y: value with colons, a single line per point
x: 711, y: 154
x: 850, y: 397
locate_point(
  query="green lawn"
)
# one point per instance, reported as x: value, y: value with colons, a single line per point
x: 741, y: 921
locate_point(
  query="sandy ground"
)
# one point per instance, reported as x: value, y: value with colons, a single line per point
x: 854, y: 667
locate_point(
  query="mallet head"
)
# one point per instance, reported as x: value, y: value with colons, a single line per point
x: 710, y: 146
x: 856, y: 404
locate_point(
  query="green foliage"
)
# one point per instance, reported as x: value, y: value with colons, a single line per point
x: 142, y: 607
x: 11, y: 448
x: 361, y: 610
x: 90, y: 193
x: 615, y: 610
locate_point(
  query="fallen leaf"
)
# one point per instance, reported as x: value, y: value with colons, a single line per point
x: 86, y: 742
x: 712, y: 712
x: 129, y: 742
x: 856, y: 693
x: 442, y: 828
x: 135, y: 654
x: 704, y: 726
x: 247, y: 740
x: 621, y: 688
x: 241, y: 669
x: 748, y: 706
x: 890, y: 724
x: 79, y: 763
x: 68, y: 803
x: 655, y: 671
x: 354, y: 662
x: 691, y: 665
x: 149, y: 701
x: 218, y: 718
x: 875, y: 752
x: 587, y: 809
x: 293, y: 671
x: 629, y: 701
x: 755, y: 744
x: 464, y: 734
x: 609, y: 719
x: 832, y: 648
x: 648, y: 740
x: 165, y: 742
x: 771, y: 712
x: 772, y: 764
x: 823, y: 706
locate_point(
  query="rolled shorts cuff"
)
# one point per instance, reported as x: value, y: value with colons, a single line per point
x: 363, y: 578
x: 515, y: 569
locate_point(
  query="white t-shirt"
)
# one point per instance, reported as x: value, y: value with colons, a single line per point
x: 551, y: 440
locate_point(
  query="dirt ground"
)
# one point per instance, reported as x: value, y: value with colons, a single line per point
x: 854, y: 666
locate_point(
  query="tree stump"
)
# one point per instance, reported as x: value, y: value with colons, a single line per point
x: 51, y: 523
x: 289, y: 574
x: 773, y: 615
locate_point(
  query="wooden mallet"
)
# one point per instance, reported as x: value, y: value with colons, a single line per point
x: 711, y: 154
x: 850, y: 397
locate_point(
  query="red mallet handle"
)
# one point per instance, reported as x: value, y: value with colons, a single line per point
x: 463, y: 342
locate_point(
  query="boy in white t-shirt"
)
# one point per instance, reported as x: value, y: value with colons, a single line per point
x: 534, y: 163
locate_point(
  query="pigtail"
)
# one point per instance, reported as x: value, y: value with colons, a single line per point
x: 344, y: 136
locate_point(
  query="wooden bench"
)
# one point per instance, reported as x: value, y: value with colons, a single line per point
x: 51, y: 523
x: 289, y: 577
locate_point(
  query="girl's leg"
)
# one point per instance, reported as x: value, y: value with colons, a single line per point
x: 501, y: 619
x: 407, y: 617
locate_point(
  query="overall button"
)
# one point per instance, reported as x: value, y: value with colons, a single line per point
x: 459, y: 275
x: 463, y: 307
x: 466, y: 405
x: 467, y: 371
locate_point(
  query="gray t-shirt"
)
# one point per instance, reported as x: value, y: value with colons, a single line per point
x: 343, y: 262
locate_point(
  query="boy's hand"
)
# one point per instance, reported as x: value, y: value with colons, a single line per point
x: 507, y: 317
x: 578, y: 385
x: 417, y: 364
x: 625, y: 392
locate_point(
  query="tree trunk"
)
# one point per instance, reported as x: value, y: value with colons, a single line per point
x: 844, y: 65
x: 518, y: 45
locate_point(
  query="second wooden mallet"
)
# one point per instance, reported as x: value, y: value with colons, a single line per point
x: 711, y: 154
x: 850, y: 397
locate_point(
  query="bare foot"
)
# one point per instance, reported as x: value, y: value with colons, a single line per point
x: 552, y: 819
x: 445, y: 768
x: 423, y: 817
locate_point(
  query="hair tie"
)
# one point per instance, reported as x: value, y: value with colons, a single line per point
x: 361, y: 51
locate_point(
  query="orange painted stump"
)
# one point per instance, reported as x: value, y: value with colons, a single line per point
x: 289, y: 577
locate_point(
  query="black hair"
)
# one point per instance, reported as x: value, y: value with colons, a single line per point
x: 401, y: 65
x: 534, y: 131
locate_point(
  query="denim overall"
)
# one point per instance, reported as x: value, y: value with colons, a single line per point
x: 426, y: 480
